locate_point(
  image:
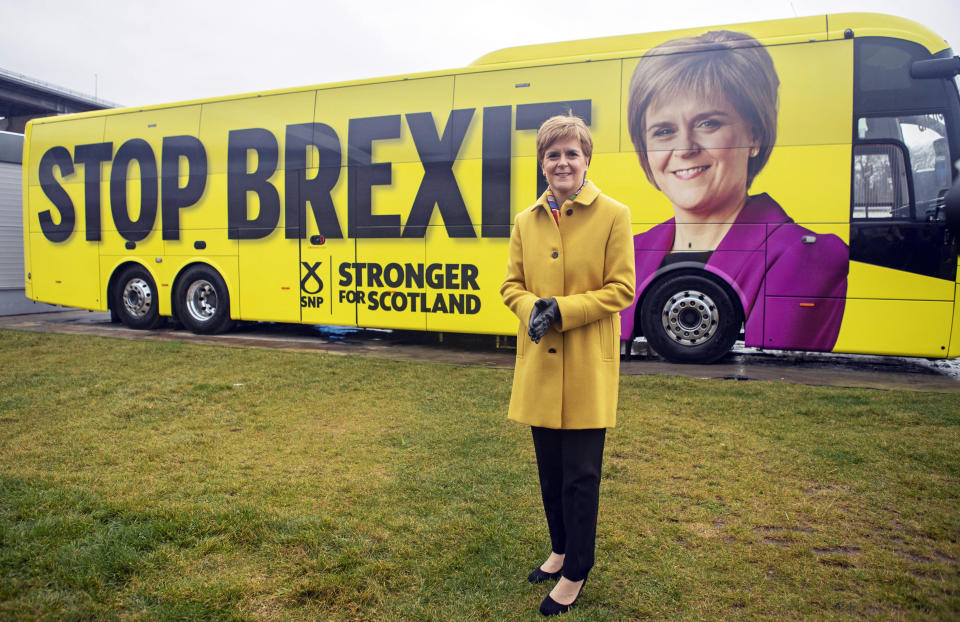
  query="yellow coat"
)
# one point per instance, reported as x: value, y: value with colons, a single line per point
x: 570, y: 379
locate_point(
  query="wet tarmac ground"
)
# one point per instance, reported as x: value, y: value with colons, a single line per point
x: 878, y: 372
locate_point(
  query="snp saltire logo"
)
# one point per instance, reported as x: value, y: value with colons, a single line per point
x: 311, y: 285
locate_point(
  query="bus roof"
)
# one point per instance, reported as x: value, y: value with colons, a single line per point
x: 772, y: 32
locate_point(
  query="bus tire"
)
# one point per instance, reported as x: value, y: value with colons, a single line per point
x: 690, y: 318
x: 136, y: 300
x: 202, y: 301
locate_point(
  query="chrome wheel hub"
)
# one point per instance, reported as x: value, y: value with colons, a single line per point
x: 690, y: 318
x: 137, y: 297
x: 201, y: 300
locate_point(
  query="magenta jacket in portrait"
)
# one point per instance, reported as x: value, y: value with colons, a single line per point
x: 792, y: 291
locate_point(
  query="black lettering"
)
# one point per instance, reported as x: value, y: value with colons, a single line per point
x: 345, y: 276
x: 311, y: 302
x: 373, y: 303
x: 414, y: 274
x: 439, y: 306
x: 373, y: 275
x: 363, y: 174
x: 92, y: 157
x: 450, y: 276
x: 173, y: 198
x: 240, y: 183
x: 495, y: 189
x: 316, y: 190
x: 398, y: 301
x: 416, y: 298
x: 432, y: 280
x: 473, y: 304
x: 532, y: 116
x: 393, y: 275
x: 439, y: 186
x: 359, y: 272
x: 135, y: 149
x: 56, y: 157
x: 456, y: 303
x: 468, y: 276
x: 351, y: 296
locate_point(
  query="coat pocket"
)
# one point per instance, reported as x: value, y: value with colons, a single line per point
x: 608, y: 346
x: 521, y: 340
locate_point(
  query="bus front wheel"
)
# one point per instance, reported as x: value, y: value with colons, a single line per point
x: 202, y: 301
x: 690, y: 318
x: 135, y: 300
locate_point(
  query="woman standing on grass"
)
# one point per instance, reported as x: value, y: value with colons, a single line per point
x: 570, y: 271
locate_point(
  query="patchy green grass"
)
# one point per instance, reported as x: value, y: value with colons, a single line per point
x: 143, y: 480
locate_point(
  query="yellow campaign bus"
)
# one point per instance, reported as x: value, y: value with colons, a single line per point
x: 389, y: 202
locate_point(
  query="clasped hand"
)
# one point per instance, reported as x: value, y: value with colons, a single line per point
x: 545, y: 313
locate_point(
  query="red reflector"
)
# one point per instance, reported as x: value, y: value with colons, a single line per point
x: 806, y: 304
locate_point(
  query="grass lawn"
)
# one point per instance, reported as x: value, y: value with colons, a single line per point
x: 145, y: 480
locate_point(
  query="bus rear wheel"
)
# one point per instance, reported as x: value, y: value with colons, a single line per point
x: 135, y: 300
x: 690, y: 318
x: 202, y: 301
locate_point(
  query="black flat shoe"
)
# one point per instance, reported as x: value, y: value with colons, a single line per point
x: 550, y: 607
x: 539, y: 576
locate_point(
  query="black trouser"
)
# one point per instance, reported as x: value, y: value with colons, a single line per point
x: 569, y: 463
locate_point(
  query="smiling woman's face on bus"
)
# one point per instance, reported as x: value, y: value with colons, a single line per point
x: 698, y: 149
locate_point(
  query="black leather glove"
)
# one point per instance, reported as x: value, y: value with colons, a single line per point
x: 545, y: 313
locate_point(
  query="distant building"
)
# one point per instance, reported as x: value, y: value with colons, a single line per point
x: 12, y: 300
x: 22, y: 99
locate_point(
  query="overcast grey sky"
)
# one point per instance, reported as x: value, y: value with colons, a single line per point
x: 135, y: 52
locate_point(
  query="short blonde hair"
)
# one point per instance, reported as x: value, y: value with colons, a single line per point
x: 562, y: 127
x: 719, y: 62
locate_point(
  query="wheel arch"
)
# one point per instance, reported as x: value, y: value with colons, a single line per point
x: 680, y: 269
x: 118, y: 270
x: 182, y: 270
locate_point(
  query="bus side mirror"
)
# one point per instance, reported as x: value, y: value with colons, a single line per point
x: 935, y: 68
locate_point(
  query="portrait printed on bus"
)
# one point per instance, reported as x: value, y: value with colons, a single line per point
x: 702, y: 115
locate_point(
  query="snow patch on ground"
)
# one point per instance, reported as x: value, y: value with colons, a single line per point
x: 943, y: 367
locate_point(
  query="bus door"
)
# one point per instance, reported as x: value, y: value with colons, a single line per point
x: 246, y: 174
x: 319, y: 189
x: 903, y: 257
x: 368, y: 251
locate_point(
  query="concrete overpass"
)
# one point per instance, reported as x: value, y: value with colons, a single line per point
x: 23, y: 98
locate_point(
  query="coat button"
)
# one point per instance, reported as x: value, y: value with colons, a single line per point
x: 552, y: 350
x: 555, y: 254
x: 569, y: 212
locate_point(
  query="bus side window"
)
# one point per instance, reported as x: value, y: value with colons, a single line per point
x: 928, y: 157
x: 880, y: 185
